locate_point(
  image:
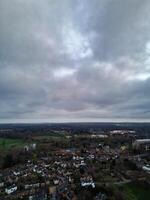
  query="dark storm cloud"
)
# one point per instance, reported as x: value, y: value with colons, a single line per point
x: 74, y: 60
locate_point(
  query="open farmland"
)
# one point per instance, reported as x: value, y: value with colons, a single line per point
x: 7, y: 144
x: 136, y: 192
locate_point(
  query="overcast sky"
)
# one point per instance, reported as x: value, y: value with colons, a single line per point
x: 74, y: 60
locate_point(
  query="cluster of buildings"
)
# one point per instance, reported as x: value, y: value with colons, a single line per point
x: 58, y: 177
x: 142, y: 144
x: 68, y: 171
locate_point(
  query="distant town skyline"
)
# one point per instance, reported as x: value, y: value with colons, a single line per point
x: 74, y: 61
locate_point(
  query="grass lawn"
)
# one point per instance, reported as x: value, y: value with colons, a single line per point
x: 56, y: 137
x: 7, y: 143
x: 136, y: 192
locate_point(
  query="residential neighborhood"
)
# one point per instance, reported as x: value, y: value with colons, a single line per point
x: 68, y: 171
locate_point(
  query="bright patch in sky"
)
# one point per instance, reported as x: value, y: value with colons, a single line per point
x: 143, y: 77
x: 77, y: 46
x: 63, y: 72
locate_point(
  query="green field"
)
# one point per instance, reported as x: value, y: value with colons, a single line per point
x: 136, y: 192
x: 50, y: 138
x: 7, y: 143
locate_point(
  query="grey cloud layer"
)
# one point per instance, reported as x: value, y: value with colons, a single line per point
x: 74, y: 60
